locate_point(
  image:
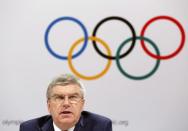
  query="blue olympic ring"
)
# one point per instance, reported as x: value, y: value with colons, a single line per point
x: 86, y: 38
x: 61, y: 19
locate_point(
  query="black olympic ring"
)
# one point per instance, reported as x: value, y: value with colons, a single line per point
x: 122, y: 20
x: 96, y: 40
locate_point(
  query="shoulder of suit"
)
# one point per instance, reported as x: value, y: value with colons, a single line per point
x: 37, y: 121
x: 94, y: 116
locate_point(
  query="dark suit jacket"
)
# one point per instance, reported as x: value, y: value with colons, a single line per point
x: 88, y: 122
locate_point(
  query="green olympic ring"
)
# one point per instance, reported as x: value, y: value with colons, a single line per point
x: 143, y: 76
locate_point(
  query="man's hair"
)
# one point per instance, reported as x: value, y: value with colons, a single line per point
x: 63, y: 80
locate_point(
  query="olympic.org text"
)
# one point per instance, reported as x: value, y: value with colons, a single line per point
x: 124, y: 123
x: 11, y: 122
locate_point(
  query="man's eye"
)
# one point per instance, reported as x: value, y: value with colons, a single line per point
x: 60, y: 98
x: 73, y: 97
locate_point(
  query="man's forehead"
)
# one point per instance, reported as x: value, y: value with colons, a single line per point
x: 67, y: 86
x: 62, y: 94
x: 71, y: 89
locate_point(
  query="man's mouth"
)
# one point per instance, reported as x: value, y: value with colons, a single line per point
x: 66, y: 112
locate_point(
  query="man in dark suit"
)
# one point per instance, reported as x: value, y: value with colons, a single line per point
x: 65, y: 100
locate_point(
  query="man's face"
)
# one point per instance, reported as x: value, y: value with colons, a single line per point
x: 65, y: 104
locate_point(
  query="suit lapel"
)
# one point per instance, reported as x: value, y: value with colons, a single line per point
x: 81, y: 125
x: 48, y: 126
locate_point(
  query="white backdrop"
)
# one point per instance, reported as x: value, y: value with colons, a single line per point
x: 156, y: 103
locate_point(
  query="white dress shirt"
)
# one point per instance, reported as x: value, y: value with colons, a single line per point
x: 56, y: 128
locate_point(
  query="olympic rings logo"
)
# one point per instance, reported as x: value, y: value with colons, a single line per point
x: 95, y: 40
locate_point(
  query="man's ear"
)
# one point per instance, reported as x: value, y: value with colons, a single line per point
x: 83, y: 102
x: 48, y: 105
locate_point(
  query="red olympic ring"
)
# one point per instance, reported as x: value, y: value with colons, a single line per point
x: 181, y: 43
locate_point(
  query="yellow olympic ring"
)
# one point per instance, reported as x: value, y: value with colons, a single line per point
x: 94, y: 76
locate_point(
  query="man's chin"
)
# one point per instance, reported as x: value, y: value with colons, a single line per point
x: 68, y: 122
x: 67, y: 118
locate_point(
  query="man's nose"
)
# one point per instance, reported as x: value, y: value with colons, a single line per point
x: 66, y: 101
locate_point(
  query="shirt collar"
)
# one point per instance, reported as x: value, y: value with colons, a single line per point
x: 56, y: 128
